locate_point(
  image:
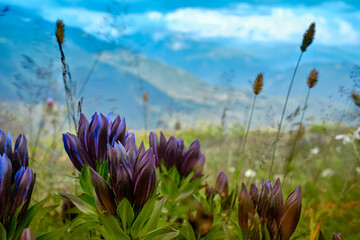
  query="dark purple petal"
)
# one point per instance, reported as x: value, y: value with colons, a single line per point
x: 5, y: 183
x: 20, y: 156
x: 26, y: 234
x: 190, y: 158
x: 162, y: 147
x: 2, y: 142
x: 104, y: 193
x: 199, y: 166
x: 255, y: 194
x: 76, y: 151
x: 221, y: 185
x: 155, y: 145
x: 117, y: 131
x: 266, y: 208
x: 130, y: 147
x: 144, y: 178
x: 97, y: 137
x: 24, y: 185
x: 120, y: 173
x: 337, y: 236
x: 139, y: 154
x: 278, y: 197
x: 83, y: 131
x: 246, y: 211
x: 7, y: 146
x: 170, y: 157
x: 290, y: 214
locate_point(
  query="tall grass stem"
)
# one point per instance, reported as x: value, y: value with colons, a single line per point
x: 282, y: 117
x: 244, y: 142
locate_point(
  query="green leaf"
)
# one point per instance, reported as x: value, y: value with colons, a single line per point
x: 80, y: 204
x: 143, y: 216
x: 104, y: 170
x: 85, y: 180
x: 2, y: 232
x: 35, y: 212
x: 126, y: 213
x: 164, y: 233
x: 113, y: 228
x: 154, y: 218
x: 53, y: 235
x: 13, y: 223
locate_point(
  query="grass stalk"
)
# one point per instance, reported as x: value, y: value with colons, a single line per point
x: 293, y: 150
x: 282, y: 117
x: 244, y: 142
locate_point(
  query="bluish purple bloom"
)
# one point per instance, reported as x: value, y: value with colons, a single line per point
x: 173, y: 153
x: 132, y: 172
x: 281, y: 219
x: 16, y: 179
x: 92, y: 140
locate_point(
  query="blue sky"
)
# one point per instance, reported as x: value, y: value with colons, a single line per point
x: 242, y: 23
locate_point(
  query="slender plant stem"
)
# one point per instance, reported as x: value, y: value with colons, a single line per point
x: 282, y: 117
x: 348, y: 175
x: 327, y: 149
x: 301, y: 122
x: 64, y: 73
x: 297, y: 135
x: 244, y: 142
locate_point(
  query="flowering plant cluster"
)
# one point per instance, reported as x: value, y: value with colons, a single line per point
x: 138, y: 193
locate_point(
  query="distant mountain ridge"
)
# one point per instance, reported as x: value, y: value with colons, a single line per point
x: 121, y: 76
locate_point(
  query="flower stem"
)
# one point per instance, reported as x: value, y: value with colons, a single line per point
x: 244, y: 142
x: 298, y: 133
x: 282, y: 117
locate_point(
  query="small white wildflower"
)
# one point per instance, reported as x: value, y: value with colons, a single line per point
x: 345, y: 137
x: 250, y: 173
x: 315, y: 150
x: 357, y: 169
x: 328, y: 172
x: 356, y: 134
x: 231, y: 169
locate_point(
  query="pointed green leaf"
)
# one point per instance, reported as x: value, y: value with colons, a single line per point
x: 143, y: 216
x: 80, y: 204
x: 126, y: 213
x: 53, y: 235
x: 104, y: 170
x: 113, y: 228
x: 13, y: 224
x: 2, y: 232
x: 164, y: 233
x: 85, y: 180
x: 33, y: 213
x: 154, y: 218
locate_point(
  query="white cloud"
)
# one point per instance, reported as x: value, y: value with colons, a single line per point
x: 154, y: 15
x: 178, y: 45
x: 274, y: 24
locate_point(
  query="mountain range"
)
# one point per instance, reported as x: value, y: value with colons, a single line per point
x: 183, y: 84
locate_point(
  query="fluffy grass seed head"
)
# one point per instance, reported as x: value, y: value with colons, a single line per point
x: 313, y: 78
x: 258, y: 84
x: 145, y: 97
x: 356, y: 98
x: 308, y: 37
x: 60, y: 32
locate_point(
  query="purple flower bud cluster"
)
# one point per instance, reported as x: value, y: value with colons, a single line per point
x: 131, y: 169
x: 17, y: 180
x: 173, y: 153
x: 92, y: 140
x: 267, y: 206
